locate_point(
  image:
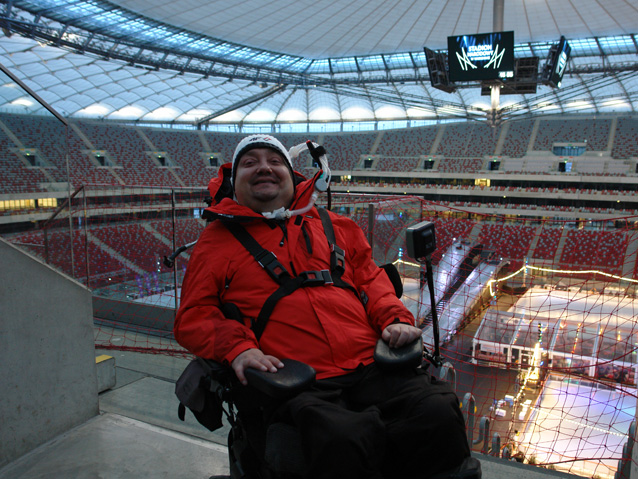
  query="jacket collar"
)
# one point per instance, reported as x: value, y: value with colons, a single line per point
x: 224, y: 205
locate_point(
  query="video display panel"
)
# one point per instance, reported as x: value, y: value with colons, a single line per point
x: 560, y: 63
x: 484, y: 56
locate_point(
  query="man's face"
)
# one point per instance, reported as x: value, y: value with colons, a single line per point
x: 263, y: 181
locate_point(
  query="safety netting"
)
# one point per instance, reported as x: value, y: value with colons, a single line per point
x: 536, y: 315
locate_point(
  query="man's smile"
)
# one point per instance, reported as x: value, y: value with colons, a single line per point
x: 268, y: 180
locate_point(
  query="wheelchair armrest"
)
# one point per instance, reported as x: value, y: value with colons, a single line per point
x: 405, y: 357
x: 293, y: 378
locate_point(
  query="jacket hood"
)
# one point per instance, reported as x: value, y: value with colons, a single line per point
x: 224, y: 204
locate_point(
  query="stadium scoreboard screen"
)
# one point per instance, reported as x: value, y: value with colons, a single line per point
x: 484, y: 56
x: 559, y: 63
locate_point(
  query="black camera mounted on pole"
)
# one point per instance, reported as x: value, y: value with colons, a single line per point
x: 421, y: 243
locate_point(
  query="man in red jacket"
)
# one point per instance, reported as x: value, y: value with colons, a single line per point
x: 357, y: 421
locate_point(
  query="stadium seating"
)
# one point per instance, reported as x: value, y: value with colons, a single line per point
x: 590, y: 249
x: 186, y: 230
x: 463, y: 148
x: 132, y: 155
x: 483, y: 139
x: 517, y: 138
x: 397, y: 164
x: 594, y: 132
x: 626, y: 138
x: 186, y: 151
x: 17, y: 178
x: 447, y: 231
x: 344, y: 150
x: 45, y: 134
x: 83, y: 170
x: 407, y: 143
x: 547, y: 244
x: 467, y: 139
x: 135, y: 244
x: 460, y: 165
x: 101, y: 266
x: 508, y: 242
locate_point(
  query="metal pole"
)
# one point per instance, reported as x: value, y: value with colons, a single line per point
x: 497, y: 18
x: 68, y: 182
x: 46, y: 244
x: 86, y: 240
x: 497, y: 25
x: 174, y: 247
x: 371, y: 225
x: 71, y: 239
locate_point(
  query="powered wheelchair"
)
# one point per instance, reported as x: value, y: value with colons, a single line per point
x: 254, y: 450
x: 260, y: 451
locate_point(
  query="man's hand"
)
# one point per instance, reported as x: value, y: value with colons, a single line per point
x: 254, y: 358
x: 399, y: 334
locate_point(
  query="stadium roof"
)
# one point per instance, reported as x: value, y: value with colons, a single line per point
x: 358, y: 63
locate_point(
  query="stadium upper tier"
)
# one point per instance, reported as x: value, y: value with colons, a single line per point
x: 571, y: 150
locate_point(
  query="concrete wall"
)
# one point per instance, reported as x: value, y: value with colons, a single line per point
x: 136, y: 314
x: 48, y: 382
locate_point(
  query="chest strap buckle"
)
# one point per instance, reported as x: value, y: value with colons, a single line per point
x: 273, y: 267
x: 337, y: 259
x: 316, y: 278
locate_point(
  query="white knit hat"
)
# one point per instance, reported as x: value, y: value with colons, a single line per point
x: 259, y: 141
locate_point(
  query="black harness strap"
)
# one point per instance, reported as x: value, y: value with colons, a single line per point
x: 287, y: 283
x: 337, y: 255
x: 265, y: 258
x: 304, y: 280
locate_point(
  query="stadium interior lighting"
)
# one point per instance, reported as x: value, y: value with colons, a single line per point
x: 578, y: 104
x: 22, y: 101
x: 616, y: 102
x: 408, y: 263
x: 100, y: 110
x: 523, y: 269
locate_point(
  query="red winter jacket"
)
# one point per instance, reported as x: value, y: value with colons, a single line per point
x: 327, y: 327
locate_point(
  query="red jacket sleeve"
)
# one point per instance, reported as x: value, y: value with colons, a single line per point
x: 374, y: 286
x: 200, y: 325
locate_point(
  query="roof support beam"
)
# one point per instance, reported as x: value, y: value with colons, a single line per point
x: 239, y: 104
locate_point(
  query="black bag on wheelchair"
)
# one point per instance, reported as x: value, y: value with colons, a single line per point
x: 200, y: 392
